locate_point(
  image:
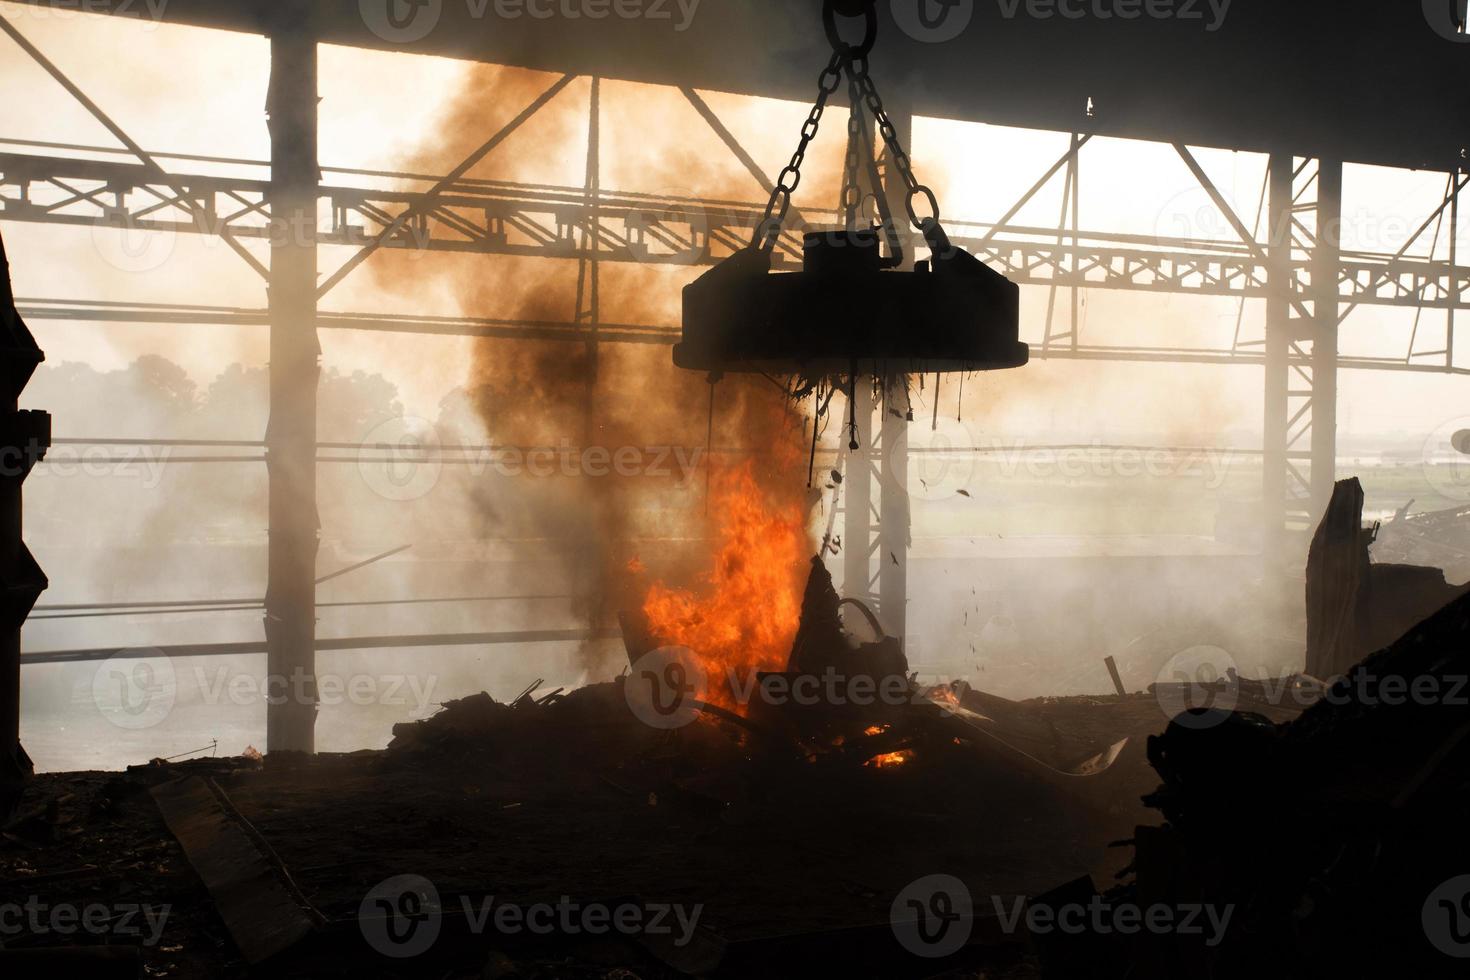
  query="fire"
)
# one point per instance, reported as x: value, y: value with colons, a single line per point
x: 943, y: 694
x: 744, y: 616
x: 888, y: 759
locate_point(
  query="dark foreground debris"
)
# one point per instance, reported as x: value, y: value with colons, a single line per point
x: 1334, y: 844
x: 1307, y: 832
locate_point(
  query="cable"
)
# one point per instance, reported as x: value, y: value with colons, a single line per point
x: 237, y: 605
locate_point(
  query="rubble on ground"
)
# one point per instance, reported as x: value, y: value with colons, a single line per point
x: 1437, y: 538
x: 1356, y: 605
x: 1308, y: 812
x: 1327, y: 835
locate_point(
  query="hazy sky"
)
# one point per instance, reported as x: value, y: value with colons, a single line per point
x: 191, y: 91
x: 197, y: 92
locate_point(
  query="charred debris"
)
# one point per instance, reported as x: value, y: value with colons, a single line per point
x: 1293, y: 815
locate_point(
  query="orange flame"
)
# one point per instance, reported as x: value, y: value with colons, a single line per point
x: 942, y: 694
x: 744, y: 617
x: 890, y: 759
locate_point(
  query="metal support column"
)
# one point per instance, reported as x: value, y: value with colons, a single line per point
x: 1325, y: 311
x: 1300, y: 431
x: 1277, y: 345
x: 1449, y: 313
x: 295, y: 369
x: 894, y: 517
x: 589, y: 303
x: 857, y: 500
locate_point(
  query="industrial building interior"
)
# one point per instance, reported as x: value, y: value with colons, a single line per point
x: 656, y: 488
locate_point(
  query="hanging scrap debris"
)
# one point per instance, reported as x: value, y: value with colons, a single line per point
x: 850, y: 311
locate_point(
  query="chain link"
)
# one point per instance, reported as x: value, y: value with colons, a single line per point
x: 769, y: 228
x: 852, y: 192
x: 851, y: 60
x: 858, y: 69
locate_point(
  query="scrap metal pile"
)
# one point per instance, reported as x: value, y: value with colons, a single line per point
x: 864, y: 709
x: 1317, y: 822
x: 1332, y: 843
x: 1320, y: 836
x: 1440, y: 538
x: 1332, y: 838
x: 1357, y: 603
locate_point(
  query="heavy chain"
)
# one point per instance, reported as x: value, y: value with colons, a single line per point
x: 769, y: 228
x: 851, y: 60
x: 875, y: 179
x: 852, y: 192
x: 858, y: 69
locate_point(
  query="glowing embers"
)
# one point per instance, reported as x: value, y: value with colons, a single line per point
x: 843, y: 312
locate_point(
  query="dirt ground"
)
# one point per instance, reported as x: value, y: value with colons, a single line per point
x: 789, y: 865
